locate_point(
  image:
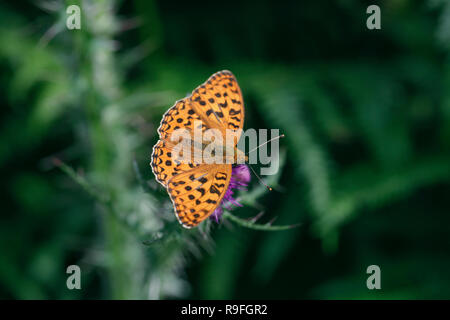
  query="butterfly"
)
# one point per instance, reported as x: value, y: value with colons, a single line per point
x: 197, y: 189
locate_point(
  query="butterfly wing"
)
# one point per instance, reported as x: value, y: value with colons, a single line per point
x: 219, y: 102
x: 164, y: 165
x: 180, y: 116
x: 197, y: 193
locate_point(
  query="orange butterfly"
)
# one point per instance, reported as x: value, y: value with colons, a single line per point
x: 197, y: 189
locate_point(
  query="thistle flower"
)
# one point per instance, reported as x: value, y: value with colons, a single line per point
x: 240, y: 177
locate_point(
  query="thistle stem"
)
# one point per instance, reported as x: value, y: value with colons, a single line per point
x: 257, y: 226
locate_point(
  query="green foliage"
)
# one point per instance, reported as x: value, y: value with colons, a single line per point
x: 364, y: 167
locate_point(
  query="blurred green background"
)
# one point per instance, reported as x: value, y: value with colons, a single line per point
x: 365, y: 162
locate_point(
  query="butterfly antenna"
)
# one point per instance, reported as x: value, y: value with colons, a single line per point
x: 260, y: 180
x: 262, y: 144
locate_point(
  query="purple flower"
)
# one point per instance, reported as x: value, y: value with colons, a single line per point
x: 240, y: 177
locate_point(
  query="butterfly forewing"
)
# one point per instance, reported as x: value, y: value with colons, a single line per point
x: 180, y: 116
x: 219, y: 102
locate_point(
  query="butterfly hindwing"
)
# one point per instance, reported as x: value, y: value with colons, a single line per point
x: 197, y: 193
x: 165, y: 165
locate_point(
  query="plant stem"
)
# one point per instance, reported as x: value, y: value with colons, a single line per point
x: 256, y: 226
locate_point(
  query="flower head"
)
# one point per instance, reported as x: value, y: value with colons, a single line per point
x: 240, y: 177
